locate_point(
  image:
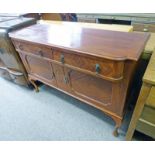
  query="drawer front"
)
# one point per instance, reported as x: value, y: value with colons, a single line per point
x: 101, y: 67
x: 151, y: 98
x: 145, y: 128
x: 148, y: 114
x: 143, y: 27
x: 38, y: 50
x: 146, y: 122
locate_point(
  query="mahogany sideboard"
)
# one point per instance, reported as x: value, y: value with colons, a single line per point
x: 94, y: 66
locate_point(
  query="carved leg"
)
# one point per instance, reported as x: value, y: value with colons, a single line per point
x: 115, y: 132
x: 118, y: 122
x: 35, y: 86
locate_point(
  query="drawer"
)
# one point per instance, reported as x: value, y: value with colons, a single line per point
x: 143, y: 27
x: 35, y: 49
x: 151, y: 98
x: 148, y: 114
x: 146, y: 122
x: 102, y: 67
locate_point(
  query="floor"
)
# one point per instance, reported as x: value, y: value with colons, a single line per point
x: 51, y: 115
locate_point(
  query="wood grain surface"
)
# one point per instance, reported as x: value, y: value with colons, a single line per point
x: 101, y: 43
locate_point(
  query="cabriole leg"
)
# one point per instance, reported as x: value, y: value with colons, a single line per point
x: 118, y: 122
x: 115, y: 132
x: 35, y: 86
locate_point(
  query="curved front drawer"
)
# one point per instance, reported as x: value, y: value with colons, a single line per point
x: 101, y: 67
x: 38, y: 50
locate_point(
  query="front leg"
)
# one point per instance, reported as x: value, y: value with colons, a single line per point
x: 118, y: 122
x: 34, y: 84
x: 115, y: 132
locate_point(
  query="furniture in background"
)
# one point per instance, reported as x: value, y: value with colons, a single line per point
x: 150, y: 46
x: 112, y: 27
x: 143, y: 118
x: 69, y: 17
x: 117, y: 18
x: 59, y: 16
x: 141, y: 22
x: 51, y: 16
x: 36, y: 16
x: 94, y: 66
x: 11, y: 66
x: 4, y: 18
x: 149, y: 49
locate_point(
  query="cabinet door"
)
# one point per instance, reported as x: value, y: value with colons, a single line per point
x: 39, y: 67
x: 93, y: 89
x: 61, y: 77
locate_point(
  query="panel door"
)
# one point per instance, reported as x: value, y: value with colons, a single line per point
x: 90, y: 88
x: 39, y: 67
x: 61, y: 77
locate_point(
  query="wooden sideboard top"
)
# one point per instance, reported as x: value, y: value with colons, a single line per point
x: 101, y: 43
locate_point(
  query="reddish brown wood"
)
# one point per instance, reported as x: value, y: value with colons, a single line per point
x: 108, y: 68
x: 68, y: 59
x: 39, y: 50
x: 61, y: 77
x: 101, y: 43
x: 39, y: 67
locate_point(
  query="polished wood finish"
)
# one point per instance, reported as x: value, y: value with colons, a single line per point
x: 94, y: 66
x: 99, y: 43
x: 107, y: 69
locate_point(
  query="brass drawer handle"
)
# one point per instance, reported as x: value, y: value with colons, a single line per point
x: 41, y: 53
x: 66, y: 81
x: 97, y: 68
x: 53, y: 75
x: 62, y: 59
x: 145, y: 30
